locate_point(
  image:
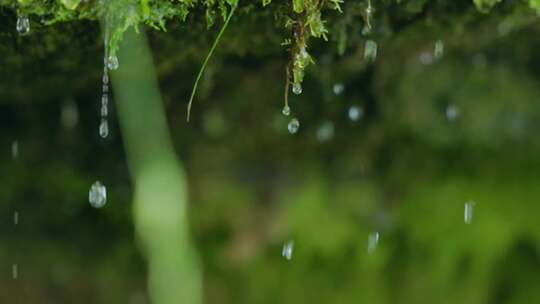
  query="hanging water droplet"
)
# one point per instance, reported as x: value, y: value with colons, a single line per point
x: 105, y: 89
x: 338, y: 88
x: 293, y: 126
x: 297, y: 88
x: 325, y: 131
x: 468, y: 212
x: 286, y: 110
x: 452, y: 112
x: 439, y: 49
x: 287, y: 250
x: 97, y: 196
x: 373, y: 241
x: 23, y: 24
x: 112, y: 62
x: 355, y: 113
x: 104, y: 128
x: 105, y: 78
x: 370, y: 50
x: 15, y: 149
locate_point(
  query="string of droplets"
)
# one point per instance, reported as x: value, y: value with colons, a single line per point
x: 109, y: 63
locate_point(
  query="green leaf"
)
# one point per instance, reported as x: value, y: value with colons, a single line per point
x: 70, y: 4
x: 298, y: 6
x: 485, y: 5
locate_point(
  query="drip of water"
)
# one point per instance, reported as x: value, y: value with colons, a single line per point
x: 107, y: 64
x: 15, y: 149
x: 452, y: 112
x: 297, y: 88
x: 97, y: 196
x: 373, y: 241
x: 438, y: 52
x: 338, y: 88
x: 104, y: 128
x: 325, y: 131
x: 293, y: 126
x: 23, y: 24
x: 286, y: 111
x: 14, y: 271
x: 287, y: 250
x: 15, y: 218
x: 468, y: 212
x: 355, y: 113
x: 370, y: 51
x: 112, y: 62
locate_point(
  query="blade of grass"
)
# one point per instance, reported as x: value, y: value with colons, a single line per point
x: 216, y: 41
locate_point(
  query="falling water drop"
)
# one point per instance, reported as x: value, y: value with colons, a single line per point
x: 287, y: 250
x: 14, y: 271
x: 97, y: 196
x: 104, y: 128
x: 23, y: 24
x: 468, y: 212
x: 452, y: 112
x: 439, y: 49
x: 370, y: 50
x: 355, y: 113
x: 373, y: 241
x: 286, y: 110
x: 293, y: 126
x: 112, y: 62
x: 325, y: 131
x: 297, y: 88
x: 15, y: 149
x: 338, y: 88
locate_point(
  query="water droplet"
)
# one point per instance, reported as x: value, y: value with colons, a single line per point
x: 15, y: 149
x: 287, y: 250
x: 14, y: 271
x: 297, y: 88
x: 286, y: 111
x: 426, y: 58
x: 104, y: 110
x: 105, y: 89
x: 370, y: 50
x: 23, y: 24
x: 112, y: 62
x: 338, y: 88
x: 104, y: 128
x: 468, y: 212
x: 373, y: 241
x: 325, y: 131
x: 355, y: 113
x: 97, y: 196
x: 15, y: 218
x: 439, y: 49
x: 452, y: 112
x: 293, y: 126
x: 105, y: 78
